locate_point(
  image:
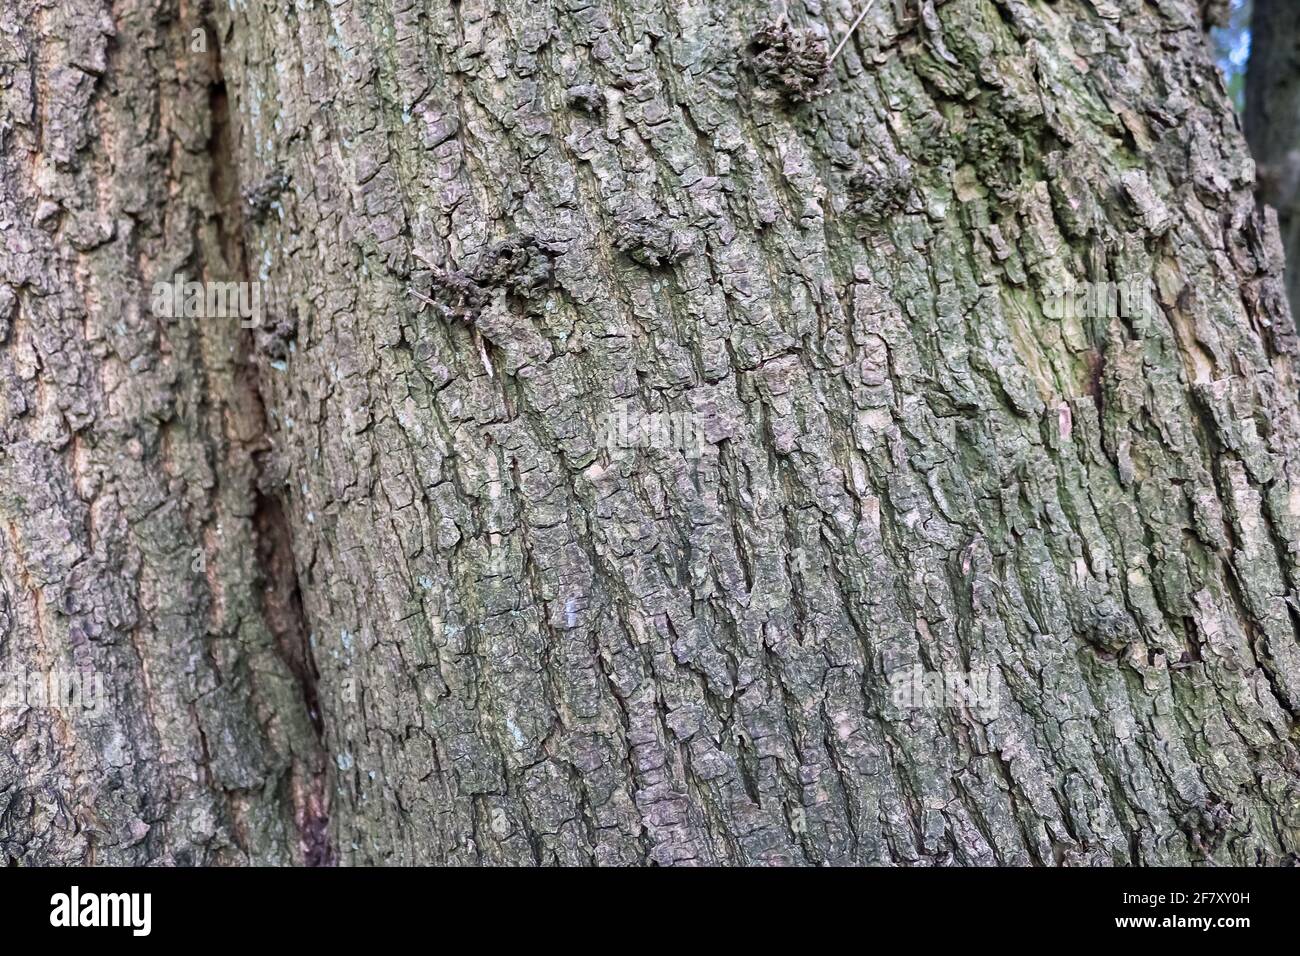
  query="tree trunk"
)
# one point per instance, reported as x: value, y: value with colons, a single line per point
x: 1272, y: 120
x: 640, y: 405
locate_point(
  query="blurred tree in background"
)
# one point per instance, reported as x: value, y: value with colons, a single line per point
x: 1272, y: 117
x: 1232, y: 49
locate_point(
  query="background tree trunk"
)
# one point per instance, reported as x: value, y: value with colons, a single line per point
x: 436, y: 619
x: 1273, y: 120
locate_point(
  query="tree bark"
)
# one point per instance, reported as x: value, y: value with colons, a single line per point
x: 439, y: 617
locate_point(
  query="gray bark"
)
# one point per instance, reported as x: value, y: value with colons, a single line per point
x: 437, y: 621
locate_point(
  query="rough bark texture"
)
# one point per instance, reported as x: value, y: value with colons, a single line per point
x: 438, y: 622
x: 1273, y: 121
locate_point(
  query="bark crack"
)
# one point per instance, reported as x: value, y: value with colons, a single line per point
x: 281, y: 598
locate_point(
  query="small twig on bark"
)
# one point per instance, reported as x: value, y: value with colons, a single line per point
x: 478, y: 338
x: 856, y: 23
x: 422, y: 297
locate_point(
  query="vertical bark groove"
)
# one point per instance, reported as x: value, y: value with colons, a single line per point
x: 276, y: 574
